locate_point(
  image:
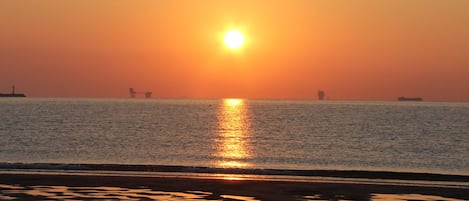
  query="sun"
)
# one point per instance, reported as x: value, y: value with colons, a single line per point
x: 234, y: 39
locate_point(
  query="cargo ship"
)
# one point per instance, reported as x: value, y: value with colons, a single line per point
x: 409, y: 99
x: 12, y: 94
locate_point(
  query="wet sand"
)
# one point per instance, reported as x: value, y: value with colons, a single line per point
x: 17, y: 186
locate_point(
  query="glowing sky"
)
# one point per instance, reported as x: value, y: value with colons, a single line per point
x: 351, y: 49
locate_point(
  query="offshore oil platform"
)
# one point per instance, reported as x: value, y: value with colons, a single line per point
x: 12, y: 94
x: 133, y: 93
x: 321, y: 95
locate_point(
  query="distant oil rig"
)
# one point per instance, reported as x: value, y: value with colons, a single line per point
x: 321, y: 95
x: 133, y: 93
x: 13, y: 94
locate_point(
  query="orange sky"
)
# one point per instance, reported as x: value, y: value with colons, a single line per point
x: 375, y: 50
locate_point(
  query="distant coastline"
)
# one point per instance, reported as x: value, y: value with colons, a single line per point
x: 12, y: 95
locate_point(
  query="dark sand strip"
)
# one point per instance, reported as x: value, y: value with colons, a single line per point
x: 119, y: 187
x: 187, y: 169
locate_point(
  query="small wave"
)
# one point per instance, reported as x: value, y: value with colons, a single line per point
x: 194, y: 169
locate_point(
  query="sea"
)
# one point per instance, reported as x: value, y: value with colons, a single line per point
x: 423, y: 137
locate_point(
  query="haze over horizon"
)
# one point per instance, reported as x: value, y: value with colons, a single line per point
x: 354, y: 50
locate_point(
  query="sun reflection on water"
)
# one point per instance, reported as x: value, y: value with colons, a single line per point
x: 233, y: 136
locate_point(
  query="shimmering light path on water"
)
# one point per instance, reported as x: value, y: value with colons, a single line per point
x: 233, y: 142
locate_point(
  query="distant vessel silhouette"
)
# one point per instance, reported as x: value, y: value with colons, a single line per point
x: 12, y: 94
x: 409, y: 99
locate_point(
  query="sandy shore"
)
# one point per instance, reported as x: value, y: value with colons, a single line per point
x: 17, y: 186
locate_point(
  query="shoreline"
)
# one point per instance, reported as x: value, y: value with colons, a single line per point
x: 361, y: 174
x: 32, y: 186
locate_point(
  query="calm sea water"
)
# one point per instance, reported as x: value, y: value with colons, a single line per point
x: 339, y: 135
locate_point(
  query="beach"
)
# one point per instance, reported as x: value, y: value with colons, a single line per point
x: 73, y: 186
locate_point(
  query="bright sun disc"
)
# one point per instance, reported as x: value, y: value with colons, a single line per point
x: 234, y: 39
